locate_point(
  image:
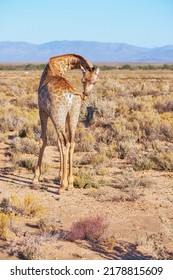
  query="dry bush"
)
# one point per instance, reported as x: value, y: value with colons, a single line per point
x: 127, y: 149
x: 24, y: 145
x: 140, y: 162
x: 84, y: 179
x: 131, y: 185
x: 163, y: 161
x: 29, y: 206
x: 4, y: 225
x: 29, y: 249
x: 91, y: 229
x: 32, y: 206
x: 85, y: 140
x: 49, y: 225
x: 98, y: 159
x: 5, y: 206
x: 164, y: 107
x: 46, y: 225
x: 102, y: 106
x: 24, y: 160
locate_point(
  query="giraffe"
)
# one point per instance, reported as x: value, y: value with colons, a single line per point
x: 61, y: 102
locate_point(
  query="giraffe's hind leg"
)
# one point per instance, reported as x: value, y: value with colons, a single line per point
x: 64, y: 151
x: 42, y: 144
x: 72, y: 121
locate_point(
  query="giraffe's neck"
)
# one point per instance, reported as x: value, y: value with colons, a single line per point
x: 60, y: 64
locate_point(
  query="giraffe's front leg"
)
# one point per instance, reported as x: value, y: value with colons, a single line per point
x: 61, y: 161
x: 37, y: 172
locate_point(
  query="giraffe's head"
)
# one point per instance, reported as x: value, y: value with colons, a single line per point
x: 89, y: 79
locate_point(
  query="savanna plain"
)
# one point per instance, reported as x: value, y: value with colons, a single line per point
x: 121, y: 206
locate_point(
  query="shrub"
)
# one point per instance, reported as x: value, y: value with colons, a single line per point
x: 30, y: 249
x: 126, y: 149
x: 92, y: 229
x: 24, y: 145
x: 85, y: 140
x: 141, y: 163
x: 166, y: 107
x: 84, y: 179
x: 46, y: 224
x: 163, y: 161
x: 131, y: 185
x: 98, y: 159
x: 4, y: 223
x: 32, y: 206
x: 127, y: 67
x: 16, y: 204
x: 5, y: 205
x: 23, y: 160
x: 27, y: 163
x: 29, y: 206
x: 166, y: 130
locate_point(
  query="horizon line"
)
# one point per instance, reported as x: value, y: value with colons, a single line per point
x: 65, y: 40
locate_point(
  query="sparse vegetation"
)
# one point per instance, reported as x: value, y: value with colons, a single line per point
x: 30, y: 205
x: 127, y: 138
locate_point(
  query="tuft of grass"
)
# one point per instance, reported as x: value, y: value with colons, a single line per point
x: 4, y: 224
x: 164, y: 107
x: 132, y: 186
x: 84, y: 179
x: 110, y: 242
x: 85, y: 140
x: 30, y: 249
x: 163, y: 161
x: 98, y: 159
x: 5, y: 205
x: 141, y: 163
x: 16, y: 204
x: 27, y: 163
x: 29, y: 206
x: 32, y: 206
x: 46, y: 225
x: 24, y: 145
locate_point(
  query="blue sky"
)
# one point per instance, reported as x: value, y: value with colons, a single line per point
x: 145, y: 23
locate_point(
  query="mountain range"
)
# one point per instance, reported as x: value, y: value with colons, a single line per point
x: 93, y: 51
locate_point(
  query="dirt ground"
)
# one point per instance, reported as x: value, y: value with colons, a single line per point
x: 140, y: 224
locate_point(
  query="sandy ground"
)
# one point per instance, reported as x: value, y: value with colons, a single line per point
x: 138, y: 228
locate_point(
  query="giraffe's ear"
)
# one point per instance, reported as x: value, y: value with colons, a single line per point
x: 97, y: 71
x: 83, y: 70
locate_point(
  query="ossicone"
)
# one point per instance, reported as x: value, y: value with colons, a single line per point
x: 83, y: 69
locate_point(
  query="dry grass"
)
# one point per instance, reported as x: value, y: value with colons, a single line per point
x: 4, y: 224
x: 131, y: 109
x: 132, y: 124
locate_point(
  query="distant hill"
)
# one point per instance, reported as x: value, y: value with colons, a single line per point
x: 93, y: 51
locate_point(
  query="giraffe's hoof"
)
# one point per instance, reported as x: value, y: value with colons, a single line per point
x: 61, y: 190
x: 35, y: 181
x: 70, y: 186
